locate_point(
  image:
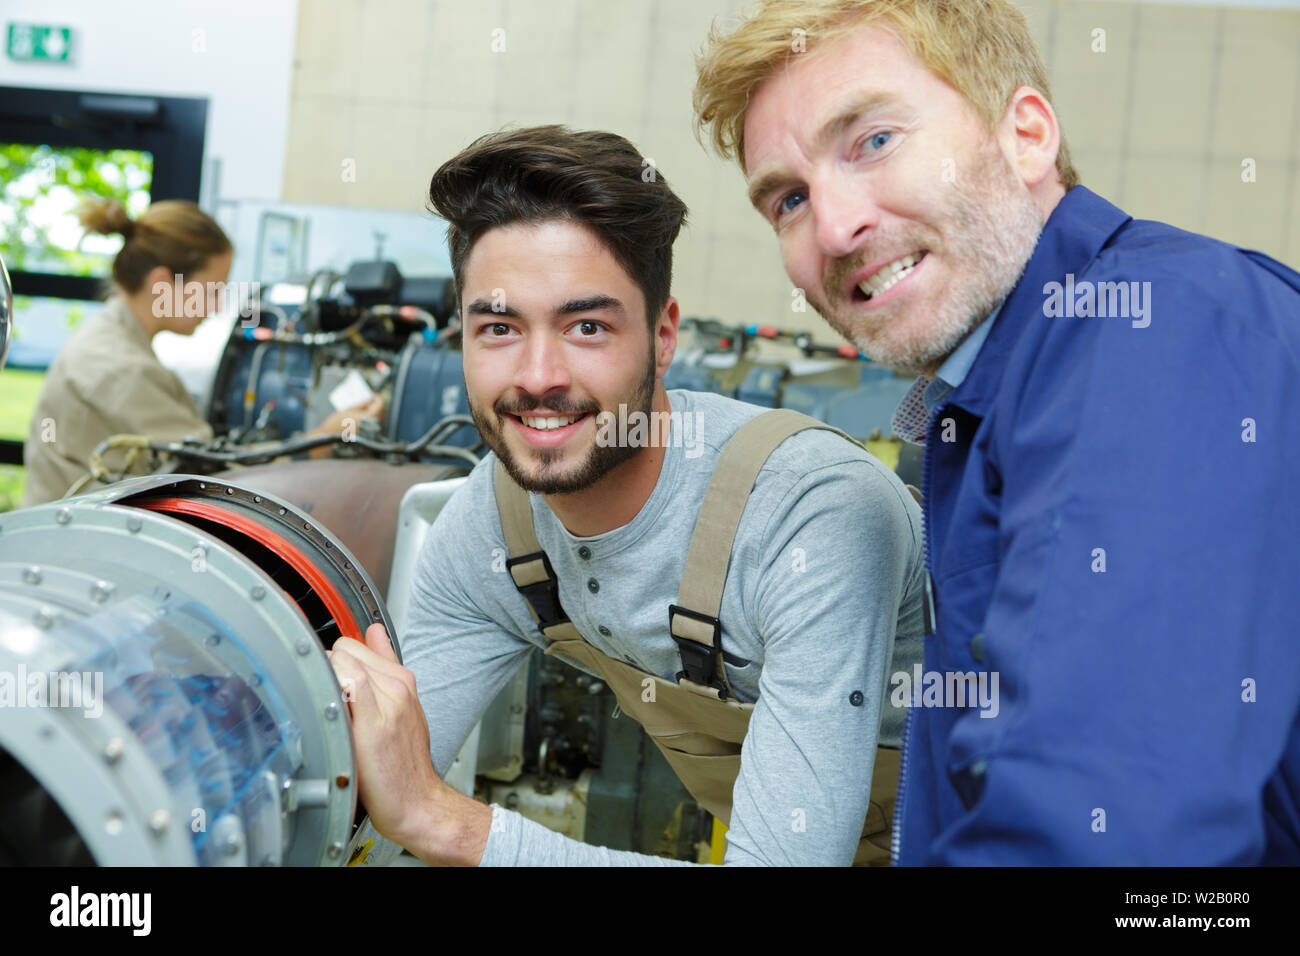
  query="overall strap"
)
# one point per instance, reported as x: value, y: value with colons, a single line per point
x: 693, y: 620
x: 527, y: 562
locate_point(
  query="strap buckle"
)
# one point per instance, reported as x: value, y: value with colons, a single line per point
x: 699, y: 662
x: 543, y: 595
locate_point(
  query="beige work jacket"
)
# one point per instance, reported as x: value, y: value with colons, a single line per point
x: 105, y: 381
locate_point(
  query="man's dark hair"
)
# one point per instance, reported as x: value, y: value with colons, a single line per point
x: 546, y: 173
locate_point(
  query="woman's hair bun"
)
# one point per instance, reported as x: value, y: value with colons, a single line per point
x: 106, y: 216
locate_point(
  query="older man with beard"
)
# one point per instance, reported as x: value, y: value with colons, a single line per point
x: 1108, y: 413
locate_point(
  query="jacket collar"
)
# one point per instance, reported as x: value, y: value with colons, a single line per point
x: 1076, y: 231
x: 117, y: 309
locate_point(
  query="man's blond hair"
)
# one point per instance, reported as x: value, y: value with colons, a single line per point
x: 982, y: 48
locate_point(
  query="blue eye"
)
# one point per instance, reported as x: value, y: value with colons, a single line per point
x: 879, y: 140
x: 786, y: 205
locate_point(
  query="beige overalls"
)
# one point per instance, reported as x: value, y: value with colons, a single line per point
x: 696, y: 722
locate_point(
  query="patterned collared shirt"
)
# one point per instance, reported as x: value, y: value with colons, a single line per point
x: 912, y: 416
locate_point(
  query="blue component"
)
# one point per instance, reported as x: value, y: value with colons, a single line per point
x: 284, y: 374
x: 430, y: 386
x: 211, y: 723
x: 695, y: 378
x: 858, y: 411
x: 762, y: 386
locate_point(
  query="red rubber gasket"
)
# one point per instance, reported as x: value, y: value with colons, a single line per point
x: 279, y: 545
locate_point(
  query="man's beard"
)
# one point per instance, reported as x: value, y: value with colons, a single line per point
x: 991, y: 229
x: 600, y: 459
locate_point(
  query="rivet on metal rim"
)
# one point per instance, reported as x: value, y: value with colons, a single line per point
x: 134, y: 524
x: 63, y: 516
x: 303, y: 647
x: 335, y: 851
x: 101, y: 591
x: 32, y: 575
x: 159, y: 821
x: 332, y: 711
x: 258, y: 592
x: 114, y: 750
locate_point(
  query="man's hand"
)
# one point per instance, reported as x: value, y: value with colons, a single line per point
x: 408, y: 803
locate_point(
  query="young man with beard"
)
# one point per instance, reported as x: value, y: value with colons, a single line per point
x: 740, y: 597
x: 1108, y: 413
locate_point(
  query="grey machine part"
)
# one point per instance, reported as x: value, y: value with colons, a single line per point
x: 166, y: 697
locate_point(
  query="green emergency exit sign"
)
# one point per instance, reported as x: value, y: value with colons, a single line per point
x: 35, y: 41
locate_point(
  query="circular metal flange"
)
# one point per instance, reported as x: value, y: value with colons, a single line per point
x: 151, y: 556
x: 318, y: 542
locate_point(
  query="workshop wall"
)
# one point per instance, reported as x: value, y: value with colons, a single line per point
x: 237, y: 53
x: 1160, y: 121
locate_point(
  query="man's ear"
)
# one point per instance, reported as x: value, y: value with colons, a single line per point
x: 666, y: 337
x: 1030, y: 137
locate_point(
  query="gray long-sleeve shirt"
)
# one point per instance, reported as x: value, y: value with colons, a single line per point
x: 826, y: 573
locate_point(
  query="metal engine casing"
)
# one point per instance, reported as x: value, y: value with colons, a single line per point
x: 216, y: 731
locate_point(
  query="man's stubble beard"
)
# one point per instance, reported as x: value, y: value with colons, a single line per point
x: 599, y: 461
x: 991, y: 241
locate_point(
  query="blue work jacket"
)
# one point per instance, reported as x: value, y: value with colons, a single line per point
x: 1112, y: 507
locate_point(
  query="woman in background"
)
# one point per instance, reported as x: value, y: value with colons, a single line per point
x: 107, y: 380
